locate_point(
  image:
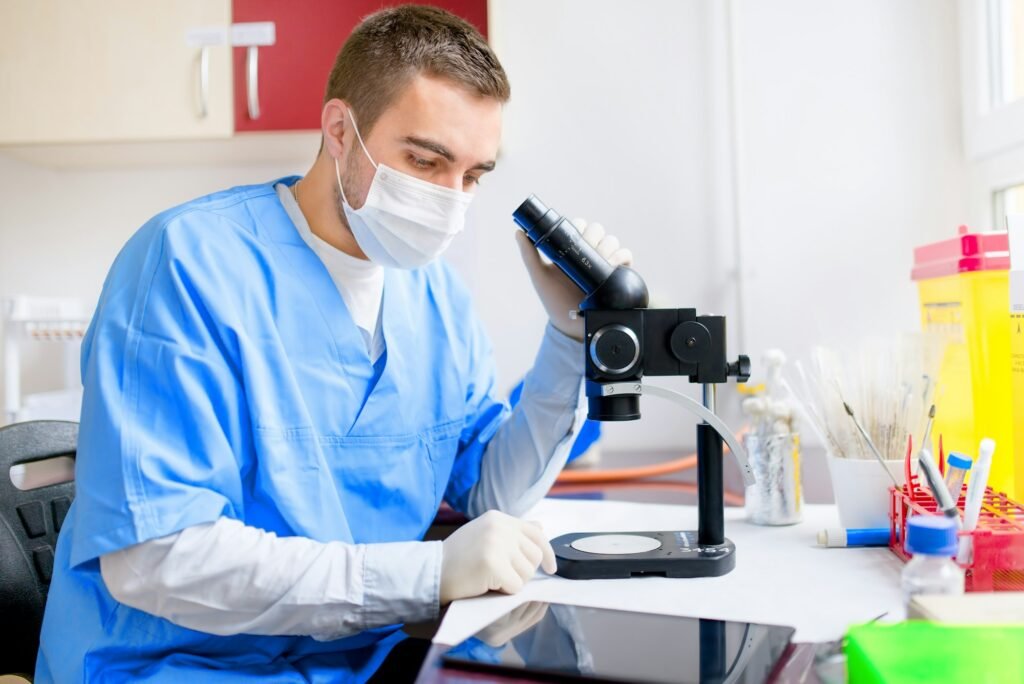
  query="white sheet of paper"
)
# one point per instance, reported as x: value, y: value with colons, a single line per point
x: 782, y: 577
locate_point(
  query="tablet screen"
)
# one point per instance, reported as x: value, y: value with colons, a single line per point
x: 560, y: 642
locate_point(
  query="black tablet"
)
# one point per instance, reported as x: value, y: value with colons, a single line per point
x: 557, y: 642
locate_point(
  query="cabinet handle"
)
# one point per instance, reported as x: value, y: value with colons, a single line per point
x: 204, y: 81
x: 252, y: 70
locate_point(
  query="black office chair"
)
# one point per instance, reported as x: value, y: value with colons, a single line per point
x: 29, y: 523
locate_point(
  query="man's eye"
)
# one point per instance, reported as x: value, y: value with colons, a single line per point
x: 421, y: 163
x: 471, y: 180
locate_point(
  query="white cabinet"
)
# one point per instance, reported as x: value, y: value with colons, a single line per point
x: 112, y: 70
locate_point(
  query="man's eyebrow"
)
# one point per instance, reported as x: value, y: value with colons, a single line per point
x: 435, y: 147
x: 438, y: 148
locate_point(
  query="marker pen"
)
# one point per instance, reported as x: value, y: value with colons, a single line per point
x: 837, y: 537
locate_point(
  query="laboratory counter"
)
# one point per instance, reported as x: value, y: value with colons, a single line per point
x: 782, y: 577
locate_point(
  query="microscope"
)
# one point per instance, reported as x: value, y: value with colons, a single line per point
x: 623, y: 342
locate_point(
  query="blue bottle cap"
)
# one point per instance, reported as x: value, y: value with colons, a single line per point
x: 932, y: 535
x: 960, y: 461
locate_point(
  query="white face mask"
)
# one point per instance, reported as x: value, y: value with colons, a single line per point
x: 405, y: 222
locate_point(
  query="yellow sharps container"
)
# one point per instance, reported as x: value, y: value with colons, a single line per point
x: 964, y: 289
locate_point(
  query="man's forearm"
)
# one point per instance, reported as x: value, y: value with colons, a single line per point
x: 531, y: 447
x: 229, y: 578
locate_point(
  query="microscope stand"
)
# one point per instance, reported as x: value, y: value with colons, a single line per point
x: 701, y: 553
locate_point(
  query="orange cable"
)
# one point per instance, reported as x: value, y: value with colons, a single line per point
x: 621, y: 474
x: 731, y: 498
x: 636, y: 472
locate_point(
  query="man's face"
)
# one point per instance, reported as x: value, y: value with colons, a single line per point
x: 435, y: 130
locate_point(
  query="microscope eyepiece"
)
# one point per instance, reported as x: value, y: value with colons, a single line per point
x: 529, y: 213
x: 605, y: 286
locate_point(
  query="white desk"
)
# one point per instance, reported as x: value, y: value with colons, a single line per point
x: 781, y: 576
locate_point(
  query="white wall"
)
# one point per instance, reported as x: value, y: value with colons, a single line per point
x: 60, y: 230
x: 849, y: 156
x: 609, y: 120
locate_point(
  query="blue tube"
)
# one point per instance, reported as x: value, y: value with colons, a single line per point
x: 872, y: 536
x: 838, y: 537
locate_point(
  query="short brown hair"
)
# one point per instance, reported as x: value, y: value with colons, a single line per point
x: 390, y: 47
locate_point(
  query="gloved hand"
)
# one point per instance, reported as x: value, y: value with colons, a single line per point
x: 559, y: 294
x: 495, y: 552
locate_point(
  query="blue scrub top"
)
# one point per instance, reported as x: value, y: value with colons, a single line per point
x: 224, y: 377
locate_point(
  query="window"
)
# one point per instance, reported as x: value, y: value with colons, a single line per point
x: 1005, y: 28
x: 992, y: 83
x: 992, y: 45
x: 1008, y: 201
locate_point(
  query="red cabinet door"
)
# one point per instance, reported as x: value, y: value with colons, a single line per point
x: 292, y: 73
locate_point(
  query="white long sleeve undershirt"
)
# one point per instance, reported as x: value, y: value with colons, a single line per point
x: 225, y: 577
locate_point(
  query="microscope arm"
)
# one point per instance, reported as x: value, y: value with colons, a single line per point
x: 695, y: 408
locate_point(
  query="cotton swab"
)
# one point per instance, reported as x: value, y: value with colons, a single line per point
x: 888, y: 387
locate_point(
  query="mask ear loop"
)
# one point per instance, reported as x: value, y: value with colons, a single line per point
x: 337, y: 170
x: 355, y: 128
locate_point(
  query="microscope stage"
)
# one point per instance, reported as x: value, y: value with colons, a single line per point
x: 619, y: 555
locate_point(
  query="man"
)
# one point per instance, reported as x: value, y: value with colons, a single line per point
x: 283, y: 383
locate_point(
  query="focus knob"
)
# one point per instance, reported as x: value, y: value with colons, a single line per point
x: 615, y: 349
x: 740, y: 369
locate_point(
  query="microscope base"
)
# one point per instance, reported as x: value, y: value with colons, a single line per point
x: 619, y: 555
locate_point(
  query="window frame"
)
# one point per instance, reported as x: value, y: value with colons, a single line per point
x: 993, y: 136
x: 989, y: 128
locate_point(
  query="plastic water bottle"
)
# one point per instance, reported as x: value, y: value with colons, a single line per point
x: 932, y: 570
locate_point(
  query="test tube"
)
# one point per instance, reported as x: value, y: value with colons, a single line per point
x: 957, y: 466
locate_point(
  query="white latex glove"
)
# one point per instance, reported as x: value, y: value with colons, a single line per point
x: 559, y: 294
x: 494, y: 552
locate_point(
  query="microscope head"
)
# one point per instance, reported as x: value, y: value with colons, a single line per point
x: 623, y: 339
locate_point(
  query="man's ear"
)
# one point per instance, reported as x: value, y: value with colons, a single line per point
x: 333, y: 124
